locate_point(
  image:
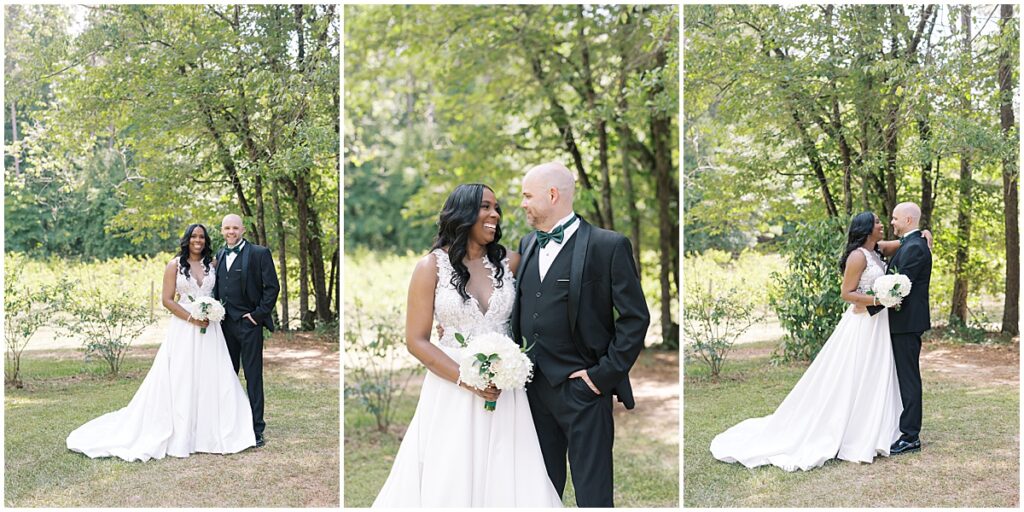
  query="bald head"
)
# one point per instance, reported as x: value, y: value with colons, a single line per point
x: 232, y: 228
x: 548, y: 192
x: 906, y: 217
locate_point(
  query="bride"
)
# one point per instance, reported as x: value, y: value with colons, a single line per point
x: 455, y: 453
x: 847, y: 404
x: 191, y: 400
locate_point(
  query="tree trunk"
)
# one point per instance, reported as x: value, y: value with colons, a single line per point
x: 227, y: 162
x: 261, y: 223
x: 310, y: 252
x: 811, y: 152
x: 282, y: 256
x: 334, y: 294
x: 602, y: 124
x: 837, y: 120
x: 928, y: 174
x: 958, y: 310
x: 561, y: 119
x: 14, y: 138
x: 1011, y: 305
x: 625, y: 135
x: 668, y: 231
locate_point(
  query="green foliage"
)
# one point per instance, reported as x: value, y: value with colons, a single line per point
x: 805, y: 296
x: 27, y: 308
x: 375, y: 376
x: 137, y: 120
x: 108, y: 319
x: 848, y: 73
x: 712, y: 322
x: 439, y: 95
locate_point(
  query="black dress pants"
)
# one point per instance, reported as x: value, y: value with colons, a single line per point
x: 571, y: 419
x: 245, y: 346
x: 906, y: 350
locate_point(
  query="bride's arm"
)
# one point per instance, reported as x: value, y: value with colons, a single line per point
x: 855, y: 265
x: 513, y: 262
x: 419, y: 318
x: 889, y: 247
x: 167, y: 296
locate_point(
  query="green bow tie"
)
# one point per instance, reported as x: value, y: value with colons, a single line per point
x: 236, y: 249
x: 557, y: 234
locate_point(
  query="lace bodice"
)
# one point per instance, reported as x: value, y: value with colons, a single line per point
x: 465, y: 316
x: 874, y: 269
x: 185, y: 287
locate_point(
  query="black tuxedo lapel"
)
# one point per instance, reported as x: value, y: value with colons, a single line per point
x: 579, y: 259
x: 531, y: 242
x: 221, y: 266
x: 243, y: 259
x: 893, y: 263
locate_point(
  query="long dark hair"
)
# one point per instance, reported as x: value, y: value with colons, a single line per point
x: 861, y: 227
x: 461, y: 211
x: 183, y: 251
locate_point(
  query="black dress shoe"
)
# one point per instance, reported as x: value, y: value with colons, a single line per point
x: 902, y: 446
x: 259, y: 441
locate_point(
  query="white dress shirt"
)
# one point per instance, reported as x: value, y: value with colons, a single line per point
x: 546, y: 255
x: 231, y: 256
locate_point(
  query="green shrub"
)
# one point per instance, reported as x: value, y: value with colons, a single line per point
x: 374, y: 372
x: 805, y: 296
x: 27, y: 307
x: 107, y: 320
x: 713, y: 322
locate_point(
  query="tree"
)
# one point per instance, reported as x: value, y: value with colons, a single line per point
x: 454, y: 94
x: 1011, y: 304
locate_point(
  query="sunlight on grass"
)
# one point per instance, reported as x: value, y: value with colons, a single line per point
x: 297, y: 468
x: 955, y: 468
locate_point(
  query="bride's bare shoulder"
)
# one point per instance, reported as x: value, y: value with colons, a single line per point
x: 424, y: 275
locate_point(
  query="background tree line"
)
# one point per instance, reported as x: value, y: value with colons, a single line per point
x: 441, y: 95
x: 804, y: 113
x: 126, y: 122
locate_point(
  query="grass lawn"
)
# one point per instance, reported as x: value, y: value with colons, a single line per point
x: 646, y: 449
x: 970, y: 434
x: 297, y: 468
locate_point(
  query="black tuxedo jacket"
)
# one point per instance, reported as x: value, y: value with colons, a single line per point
x: 603, y: 281
x: 259, y: 281
x: 914, y: 260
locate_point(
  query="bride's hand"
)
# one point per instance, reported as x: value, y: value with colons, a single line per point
x: 490, y: 394
x: 204, y: 324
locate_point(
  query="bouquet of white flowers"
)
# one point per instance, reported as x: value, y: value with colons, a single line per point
x: 493, y: 358
x: 890, y: 290
x: 206, y: 308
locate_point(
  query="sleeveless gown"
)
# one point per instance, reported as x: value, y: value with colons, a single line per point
x: 190, y: 401
x: 455, y: 453
x: 846, y: 405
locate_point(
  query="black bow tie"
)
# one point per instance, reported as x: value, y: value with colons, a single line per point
x: 236, y: 249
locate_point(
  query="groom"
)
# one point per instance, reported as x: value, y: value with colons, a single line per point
x: 580, y: 306
x: 906, y: 324
x: 247, y: 285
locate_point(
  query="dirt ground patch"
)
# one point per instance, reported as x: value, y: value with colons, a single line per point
x: 655, y: 380
x: 303, y: 354
x: 979, y: 365
x: 974, y: 364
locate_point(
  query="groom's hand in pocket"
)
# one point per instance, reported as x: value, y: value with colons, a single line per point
x: 582, y: 374
x: 248, y: 316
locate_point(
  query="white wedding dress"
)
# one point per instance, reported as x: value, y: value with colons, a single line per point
x: 455, y: 453
x: 846, y: 405
x: 190, y: 401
